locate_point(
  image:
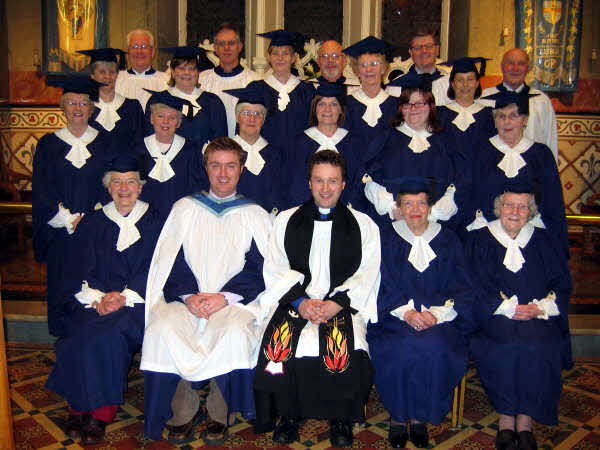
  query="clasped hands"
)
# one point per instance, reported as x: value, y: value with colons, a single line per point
x: 420, y: 321
x: 318, y: 311
x: 527, y: 312
x: 203, y: 305
x: 110, y: 302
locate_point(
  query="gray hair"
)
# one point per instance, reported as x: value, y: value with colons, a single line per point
x: 384, y: 64
x: 499, y: 200
x: 495, y: 110
x: 107, y: 178
x: 140, y: 31
x: 154, y: 107
x: 239, y: 106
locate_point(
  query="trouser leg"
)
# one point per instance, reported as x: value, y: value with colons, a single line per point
x: 184, y: 405
x: 215, y: 404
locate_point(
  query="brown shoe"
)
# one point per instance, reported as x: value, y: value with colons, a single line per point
x: 215, y: 433
x: 181, y: 433
x: 93, y: 431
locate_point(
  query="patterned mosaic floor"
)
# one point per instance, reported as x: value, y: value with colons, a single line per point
x: 38, y: 414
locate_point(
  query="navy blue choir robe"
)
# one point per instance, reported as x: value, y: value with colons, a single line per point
x: 282, y: 125
x: 209, y: 120
x: 128, y: 129
x: 190, y: 175
x: 56, y: 180
x: 520, y: 362
x: 416, y: 371
x: 354, y: 116
x: 467, y: 143
x: 303, y: 147
x: 94, y: 354
x: 540, y: 170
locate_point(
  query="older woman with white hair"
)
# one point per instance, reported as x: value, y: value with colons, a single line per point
x: 509, y: 155
x: 523, y: 288
x: 172, y: 162
x: 104, y: 302
x: 67, y: 170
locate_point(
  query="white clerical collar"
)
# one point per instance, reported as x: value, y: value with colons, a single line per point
x: 512, y: 161
x: 78, y: 154
x: 419, y: 142
x: 465, y: 115
x: 215, y: 197
x: 326, y: 142
x: 128, y: 232
x: 421, y: 254
x: 149, y: 71
x: 513, y: 258
x: 108, y: 116
x: 508, y: 88
x: 283, y: 89
x: 162, y: 170
x: 254, y: 161
x: 373, y: 111
x: 419, y: 71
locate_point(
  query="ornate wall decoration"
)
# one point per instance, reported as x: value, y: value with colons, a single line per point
x: 550, y: 32
x: 321, y: 20
x: 204, y: 17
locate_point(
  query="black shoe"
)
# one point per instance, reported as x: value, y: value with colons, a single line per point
x: 215, y: 433
x: 181, y: 433
x: 398, y: 435
x: 93, y: 431
x: 286, y: 431
x: 419, y: 435
x: 340, y: 433
x: 527, y: 441
x: 74, y: 424
x: 506, y: 440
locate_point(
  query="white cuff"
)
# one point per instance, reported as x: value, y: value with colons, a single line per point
x: 508, y: 307
x: 63, y: 218
x: 381, y: 199
x: 445, y: 313
x: 445, y: 207
x: 401, y: 310
x: 131, y: 297
x: 547, y: 305
x: 88, y: 296
x: 479, y: 221
x: 231, y: 298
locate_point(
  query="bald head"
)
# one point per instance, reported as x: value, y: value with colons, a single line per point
x: 331, y: 60
x: 515, y: 65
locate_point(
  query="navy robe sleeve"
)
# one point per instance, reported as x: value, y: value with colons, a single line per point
x: 181, y: 280
x: 249, y: 282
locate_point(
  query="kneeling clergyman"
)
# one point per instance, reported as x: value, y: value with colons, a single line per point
x: 207, y: 264
x: 321, y: 276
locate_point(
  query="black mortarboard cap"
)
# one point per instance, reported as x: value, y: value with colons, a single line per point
x: 78, y: 84
x: 115, y: 55
x: 467, y: 64
x: 249, y: 94
x: 166, y: 98
x: 370, y: 44
x: 504, y: 98
x: 282, y: 37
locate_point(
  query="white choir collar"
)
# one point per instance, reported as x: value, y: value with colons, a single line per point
x: 373, y: 111
x: 108, y: 116
x: 162, y: 170
x: 192, y: 98
x: 419, y: 142
x: 128, y: 232
x: 218, y: 199
x: 513, y: 258
x: 508, y: 88
x: 421, y: 254
x: 78, y: 154
x: 283, y: 89
x: 326, y: 142
x: 465, y: 115
x: 512, y: 160
x: 254, y: 161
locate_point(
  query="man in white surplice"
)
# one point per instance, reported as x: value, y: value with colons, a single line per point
x: 207, y: 265
x: 229, y: 74
x: 321, y: 277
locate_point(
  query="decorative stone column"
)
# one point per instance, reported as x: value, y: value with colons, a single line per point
x: 261, y: 16
x: 361, y: 19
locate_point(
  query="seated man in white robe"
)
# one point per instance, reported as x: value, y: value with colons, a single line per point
x: 140, y: 75
x: 206, y: 266
x: 322, y: 278
x: 229, y: 74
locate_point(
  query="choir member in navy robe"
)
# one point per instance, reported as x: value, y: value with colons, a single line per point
x: 321, y: 276
x: 418, y: 345
x: 133, y: 82
x: 262, y: 177
x: 207, y: 265
x: 370, y: 109
x: 104, y: 304
x: 286, y: 97
x: 229, y: 74
x: 67, y: 183
x: 327, y: 114
x: 173, y: 164
x: 509, y: 155
x: 122, y: 118
x: 523, y: 287
x: 205, y: 117
x: 414, y: 147
x: 332, y: 62
x: 467, y: 122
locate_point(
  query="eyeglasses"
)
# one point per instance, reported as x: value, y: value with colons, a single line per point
x: 330, y: 55
x: 418, y: 48
x: 366, y: 64
x: 511, y: 116
x: 415, y: 105
x: 74, y: 103
x: 224, y: 43
x: 251, y: 113
x: 519, y: 207
x: 140, y: 46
